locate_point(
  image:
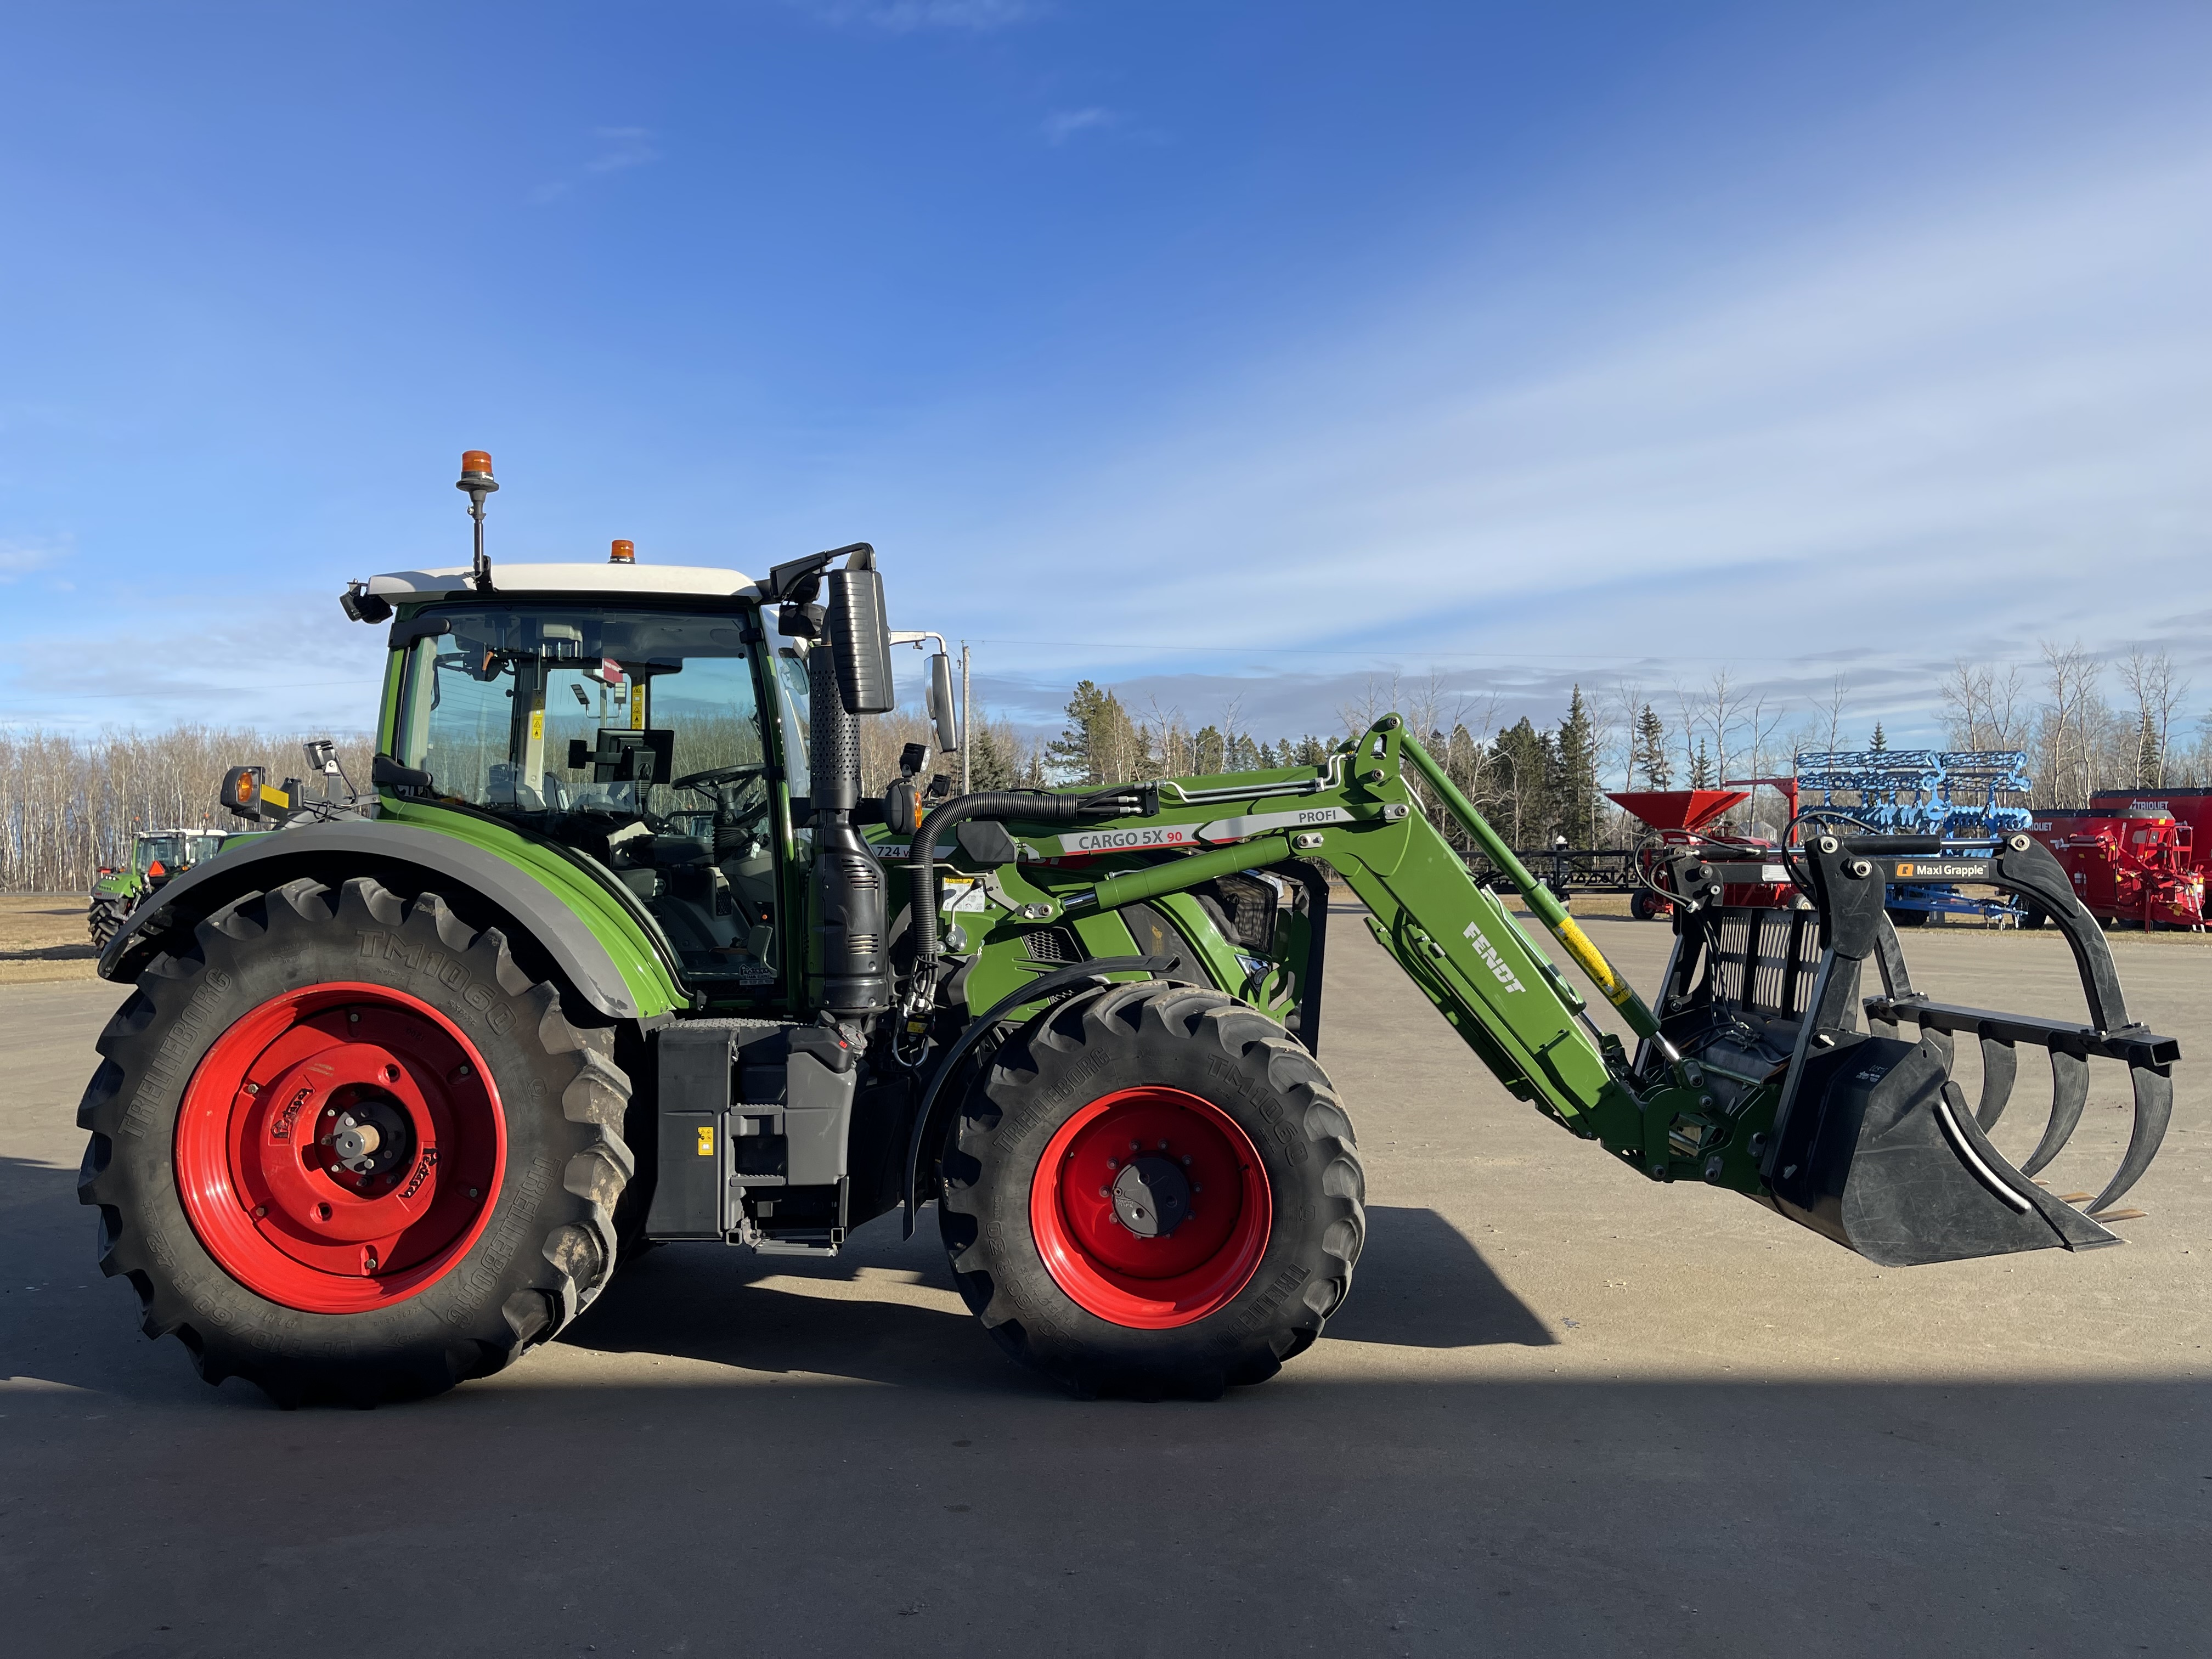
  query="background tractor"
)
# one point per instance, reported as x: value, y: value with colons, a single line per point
x: 157, y: 856
x: 614, y: 951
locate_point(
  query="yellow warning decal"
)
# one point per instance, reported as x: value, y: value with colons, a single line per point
x: 537, y: 725
x: 274, y: 797
x: 706, y: 1140
x: 637, y: 706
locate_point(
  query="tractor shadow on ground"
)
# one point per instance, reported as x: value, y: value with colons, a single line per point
x: 86, y: 952
x: 1421, y: 1284
x: 886, y: 1309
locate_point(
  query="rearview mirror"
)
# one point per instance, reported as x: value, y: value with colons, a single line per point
x: 861, y: 640
x: 943, y: 707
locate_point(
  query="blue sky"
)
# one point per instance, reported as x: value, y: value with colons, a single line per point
x: 1221, y: 352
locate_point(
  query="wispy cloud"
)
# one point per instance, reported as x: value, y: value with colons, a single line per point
x: 1947, y: 430
x: 20, y: 559
x: 908, y: 16
x: 1063, y: 125
x: 620, y: 148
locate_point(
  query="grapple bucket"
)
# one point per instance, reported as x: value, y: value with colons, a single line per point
x: 1871, y: 1141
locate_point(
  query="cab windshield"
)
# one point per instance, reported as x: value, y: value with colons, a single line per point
x: 168, y: 851
x: 633, y: 735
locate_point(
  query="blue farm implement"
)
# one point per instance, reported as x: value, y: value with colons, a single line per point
x: 1946, y: 792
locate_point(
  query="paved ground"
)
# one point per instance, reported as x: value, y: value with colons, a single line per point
x: 1565, y: 1412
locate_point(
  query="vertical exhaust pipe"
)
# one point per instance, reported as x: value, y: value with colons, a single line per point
x: 855, y: 978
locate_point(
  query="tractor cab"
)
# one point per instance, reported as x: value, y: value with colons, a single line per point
x: 648, y: 719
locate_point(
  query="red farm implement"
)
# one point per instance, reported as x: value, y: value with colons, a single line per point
x: 2134, y: 861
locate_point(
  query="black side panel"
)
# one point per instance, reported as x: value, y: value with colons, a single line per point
x: 579, y: 956
x: 689, y: 1198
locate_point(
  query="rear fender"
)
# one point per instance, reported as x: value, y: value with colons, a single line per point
x: 579, y: 947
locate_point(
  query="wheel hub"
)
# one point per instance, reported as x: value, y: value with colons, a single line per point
x: 1149, y: 1207
x: 367, y: 1137
x: 1152, y: 1195
x: 339, y: 1147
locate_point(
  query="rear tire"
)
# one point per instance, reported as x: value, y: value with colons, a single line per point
x: 1222, y: 1084
x: 102, y: 923
x: 220, y: 1203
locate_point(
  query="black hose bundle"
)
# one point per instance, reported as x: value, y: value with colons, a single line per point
x: 1123, y: 800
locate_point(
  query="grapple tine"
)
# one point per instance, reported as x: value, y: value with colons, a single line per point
x: 2000, y: 1066
x: 2069, y: 1092
x: 2154, y: 1107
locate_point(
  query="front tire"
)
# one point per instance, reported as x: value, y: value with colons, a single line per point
x: 1219, y: 1228
x: 344, y: 1147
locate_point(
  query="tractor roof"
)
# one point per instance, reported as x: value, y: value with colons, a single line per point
x: 604, y: 579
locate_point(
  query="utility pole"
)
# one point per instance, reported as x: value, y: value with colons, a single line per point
x: 967, y: 731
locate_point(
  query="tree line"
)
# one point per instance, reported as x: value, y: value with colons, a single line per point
x: 70, y: 804
x: 2085, y: 724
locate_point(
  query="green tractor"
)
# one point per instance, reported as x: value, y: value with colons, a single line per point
x: 615, y: 952
x: 157, y: 857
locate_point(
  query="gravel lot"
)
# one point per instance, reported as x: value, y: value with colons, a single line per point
x: 1565, y: 1413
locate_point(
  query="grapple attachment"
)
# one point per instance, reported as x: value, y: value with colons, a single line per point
x: 1870, y: 1140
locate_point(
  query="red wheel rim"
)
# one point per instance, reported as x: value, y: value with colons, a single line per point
x: 1176, y: 1278
x: 263, y: 1184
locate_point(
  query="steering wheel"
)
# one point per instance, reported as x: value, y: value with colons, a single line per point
x: 715, y: 776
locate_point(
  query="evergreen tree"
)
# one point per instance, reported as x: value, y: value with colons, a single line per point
x: 1878, y: 743
x: 1574, y: 792
x: 1701, y: 768
x: 1527, y: 761
x: 2150, y: 764
x: 1099, y: 744
x: 1650, y: 750
x: 1208, y: 752
x: 992, y: 760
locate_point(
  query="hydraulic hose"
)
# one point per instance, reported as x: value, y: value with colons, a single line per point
x: 1003, y: 805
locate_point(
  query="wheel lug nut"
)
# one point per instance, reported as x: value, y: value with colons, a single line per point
x: 1186, y: 1160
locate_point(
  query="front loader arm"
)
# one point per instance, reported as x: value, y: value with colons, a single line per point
x: 1507, y: 999
x: 1494, y: 984
x: 1772, y: 1075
